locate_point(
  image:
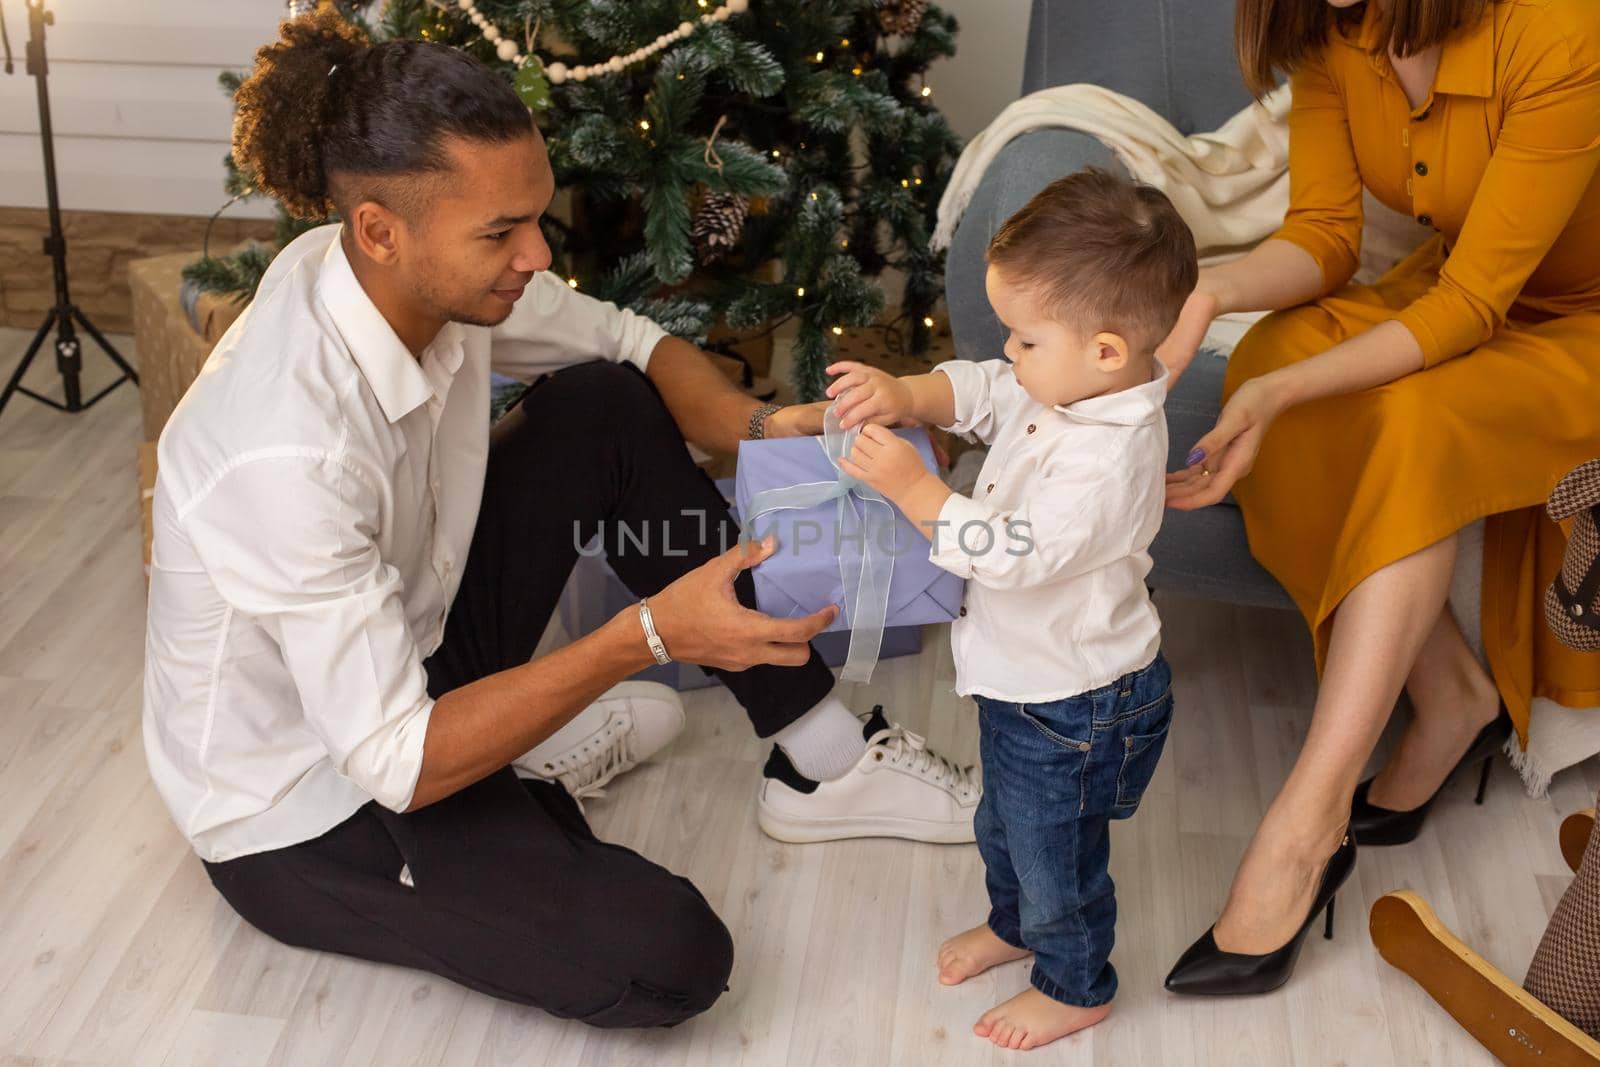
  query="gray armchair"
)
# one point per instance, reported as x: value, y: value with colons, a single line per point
x: 1175, y: 56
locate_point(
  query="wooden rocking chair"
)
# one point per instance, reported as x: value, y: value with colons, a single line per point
x: 1506, y: 1019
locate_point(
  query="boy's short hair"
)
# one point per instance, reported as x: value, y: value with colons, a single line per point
x: 1101, y: 252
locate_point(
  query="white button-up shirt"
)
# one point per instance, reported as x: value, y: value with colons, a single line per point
x: 316, y: 494
x: 1073, y: 496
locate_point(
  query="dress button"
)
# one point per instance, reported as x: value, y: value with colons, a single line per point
x: 1426, y: 220
x: 1422, y: 169
x: 1032, y: 427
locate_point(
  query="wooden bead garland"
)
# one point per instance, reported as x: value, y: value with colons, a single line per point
x: 507, y: 49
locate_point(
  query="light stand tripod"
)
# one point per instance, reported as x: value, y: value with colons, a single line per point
x: 69, y: 350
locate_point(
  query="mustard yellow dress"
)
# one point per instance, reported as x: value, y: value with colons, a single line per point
x: 1499, y: 165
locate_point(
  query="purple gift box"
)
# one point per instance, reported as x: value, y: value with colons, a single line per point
x: 805, y: 573
x: 595, y: 594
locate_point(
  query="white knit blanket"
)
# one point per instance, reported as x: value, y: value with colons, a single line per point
x: 1232, y: 186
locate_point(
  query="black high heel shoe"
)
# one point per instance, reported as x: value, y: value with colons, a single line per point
x: 1373, y: 825
x: 1206, y: 970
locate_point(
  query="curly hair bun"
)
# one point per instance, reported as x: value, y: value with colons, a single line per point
x: 282, y: 107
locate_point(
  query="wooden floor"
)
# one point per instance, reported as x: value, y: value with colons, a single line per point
x: 114, y: 949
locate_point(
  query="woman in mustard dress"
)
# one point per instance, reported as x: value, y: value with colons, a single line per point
x: 1364, y: 426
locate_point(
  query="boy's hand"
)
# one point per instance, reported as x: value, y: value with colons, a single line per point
x: 887, y: 463
x: 873, y: 395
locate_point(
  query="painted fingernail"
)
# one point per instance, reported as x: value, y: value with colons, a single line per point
x: 1197, y: 456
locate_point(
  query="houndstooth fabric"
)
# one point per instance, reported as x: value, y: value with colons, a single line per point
x: 1573, y: 497
x: 1565, y: 973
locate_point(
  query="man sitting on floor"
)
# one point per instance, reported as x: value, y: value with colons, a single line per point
x: 351, y: 573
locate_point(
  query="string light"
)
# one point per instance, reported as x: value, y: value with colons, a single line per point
x: 916, y: 181
x: 644, y: 124
x: 838, y: 330
x: 801, y: 291
x: 844, y: 43
x: 572, y: 283
x: 904, y: 184
x: 927, y: 320
x: 927, y: 90
x: 856, y: 71
x: 776, y: 153
x: 819, y: 57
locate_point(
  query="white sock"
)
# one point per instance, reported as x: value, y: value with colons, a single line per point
x: 825, y: 742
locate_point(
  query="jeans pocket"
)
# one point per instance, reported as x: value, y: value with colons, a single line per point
x: 1141, y: 752
x: 1050, y: 732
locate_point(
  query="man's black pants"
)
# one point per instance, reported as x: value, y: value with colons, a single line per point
x: 514, y: 896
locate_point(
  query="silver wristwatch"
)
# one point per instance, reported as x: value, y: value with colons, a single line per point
x: 652, y: 638
x: 758, y: 420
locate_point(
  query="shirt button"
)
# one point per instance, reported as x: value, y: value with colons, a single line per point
x: 1426, y: 220
x: 1422, y: 169
x: 1032, y: 427
x: 963, y: 611
x: 990, y: 489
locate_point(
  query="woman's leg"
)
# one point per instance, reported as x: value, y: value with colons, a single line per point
x: 1378, y: 632
x: 1453, y: 698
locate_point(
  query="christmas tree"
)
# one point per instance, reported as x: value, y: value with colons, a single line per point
x: 746, y: 162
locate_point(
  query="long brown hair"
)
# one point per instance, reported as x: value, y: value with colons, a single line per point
x: 1273, y: 37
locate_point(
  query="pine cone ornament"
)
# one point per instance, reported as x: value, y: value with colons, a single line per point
x: 718, y: 225
x: 901, y: 16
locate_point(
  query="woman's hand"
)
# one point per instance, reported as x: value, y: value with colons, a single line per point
x: 874, y: 396
x: 1179, y: 349
x: 1226, y: 454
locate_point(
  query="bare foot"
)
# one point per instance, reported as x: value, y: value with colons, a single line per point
x: 974, y: 952
x: 1031, y: 1019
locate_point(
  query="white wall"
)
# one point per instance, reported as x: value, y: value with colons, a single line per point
x: 986, y: 73
x: 141, y: 126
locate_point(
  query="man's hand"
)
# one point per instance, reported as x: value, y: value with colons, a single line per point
x: 797, y: 420
x: 701, y: 621
x: 805, y: 420
x: 867, y: 394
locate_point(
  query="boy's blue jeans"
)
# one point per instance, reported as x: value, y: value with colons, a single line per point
x: 1054, y: 776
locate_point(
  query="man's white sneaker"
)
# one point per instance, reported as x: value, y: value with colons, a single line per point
x: 630, y: 723
x: 899, y: 788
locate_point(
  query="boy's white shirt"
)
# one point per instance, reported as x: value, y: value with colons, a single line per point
x: 1070, y: 613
